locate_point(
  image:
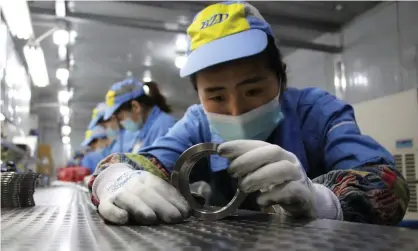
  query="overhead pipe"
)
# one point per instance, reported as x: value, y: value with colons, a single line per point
x: 274, y: 19
x: 161, y: 26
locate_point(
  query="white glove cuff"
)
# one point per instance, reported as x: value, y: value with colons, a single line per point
x: 327, y: 204
x: 107, y: 177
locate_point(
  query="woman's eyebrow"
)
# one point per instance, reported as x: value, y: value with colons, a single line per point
x: 252, y: 80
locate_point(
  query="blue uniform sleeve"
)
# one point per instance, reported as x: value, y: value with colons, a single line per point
x: 334, y: 124
x: 361, y: 172
x: 160, y: 128
x: 85, y: 161
x: 91, y: 160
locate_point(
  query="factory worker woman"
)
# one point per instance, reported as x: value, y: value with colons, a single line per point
x: 113, y: 131
x: 298, y: 150
x: 141, y: 110
x: 96, y: 139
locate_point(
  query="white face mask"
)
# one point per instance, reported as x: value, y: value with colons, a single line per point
x: 256, y: 124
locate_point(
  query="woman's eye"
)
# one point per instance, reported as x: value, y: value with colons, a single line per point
x: 253, y: 92
x: 217, y: 98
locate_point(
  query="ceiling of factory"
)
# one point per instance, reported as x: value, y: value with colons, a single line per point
x: 114, y: 38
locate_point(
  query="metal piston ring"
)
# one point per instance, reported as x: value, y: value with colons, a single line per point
x: 180, y: 180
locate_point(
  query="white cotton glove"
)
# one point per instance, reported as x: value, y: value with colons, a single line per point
x: 141, y: 196
x: 278, y: 174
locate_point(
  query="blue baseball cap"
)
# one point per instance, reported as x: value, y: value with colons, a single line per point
x: 223, y: 32
x: 97, y: 132
x: 120, y: 93
x: 97, y: 115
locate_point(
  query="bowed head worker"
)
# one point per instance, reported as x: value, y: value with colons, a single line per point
x: 114, y: 133
x: 298, y: 152
x: 141, y: 110
x: 96, y: 139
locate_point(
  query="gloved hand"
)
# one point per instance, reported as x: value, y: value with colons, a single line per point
x: 280, y: 177
x: 142, y: 196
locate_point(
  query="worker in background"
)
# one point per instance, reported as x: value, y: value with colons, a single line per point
x: 113, y: 132
x: 297, y: 150
x: 96, y: 139
x: 141, y: 110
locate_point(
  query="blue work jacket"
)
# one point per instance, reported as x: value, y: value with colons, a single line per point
x: 157, y: 125
x: 91, y: 160
x: 318, y: 128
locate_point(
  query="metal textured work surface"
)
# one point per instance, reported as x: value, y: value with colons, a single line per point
x: 64, y: 219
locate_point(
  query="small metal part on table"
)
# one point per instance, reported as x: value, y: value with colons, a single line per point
x: 17, y: 189
x: 180, y: 180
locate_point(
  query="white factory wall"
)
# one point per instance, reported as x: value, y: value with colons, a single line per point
x: 380, y: 55
x: 306, y: 68
x: 391, y: 118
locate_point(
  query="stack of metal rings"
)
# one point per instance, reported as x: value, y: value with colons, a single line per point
x: 180, y: 180
x: 17, y: 189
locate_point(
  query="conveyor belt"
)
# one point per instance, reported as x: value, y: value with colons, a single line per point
x: 64, y: 219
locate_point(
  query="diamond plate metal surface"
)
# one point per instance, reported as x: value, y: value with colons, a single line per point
x: 64, y: 219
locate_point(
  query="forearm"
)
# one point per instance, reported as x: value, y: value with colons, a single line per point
x: 373, y: 194
x: 107, y: 171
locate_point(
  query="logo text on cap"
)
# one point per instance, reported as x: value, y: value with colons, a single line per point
x: 215, y: 19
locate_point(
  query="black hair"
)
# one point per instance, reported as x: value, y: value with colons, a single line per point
x: 275, y: 62
x: 154, y: 97
x: 97, y: 139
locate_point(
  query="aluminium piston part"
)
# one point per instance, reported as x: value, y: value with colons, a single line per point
x: 180, y: 180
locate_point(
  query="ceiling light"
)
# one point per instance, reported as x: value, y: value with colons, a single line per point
x: 62, y: 52
x: 11, y: 93
x: 181, y: 42
x: 146, y: 79
x: 180, y: 61
x: 61, y: 37
x: 62, y: 74
x: 66, y: 140
x: 67, y: 149
x: 146, y: 90
x: 338, y: 7
x: 16, y: 14
x: 36, y: 64
x: 64, y: 110
x: 66, y: 119
x: 10, y: 109
x: 2, y: 117
x: 64, y: 97
x: 147, y: 76
x: 66, y: 130
x: 60, y: 8
x: 24, y: 94
x: 73, y: 35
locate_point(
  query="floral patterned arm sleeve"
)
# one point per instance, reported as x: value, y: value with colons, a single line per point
x: 376, y: 194
x: 137, y: 161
